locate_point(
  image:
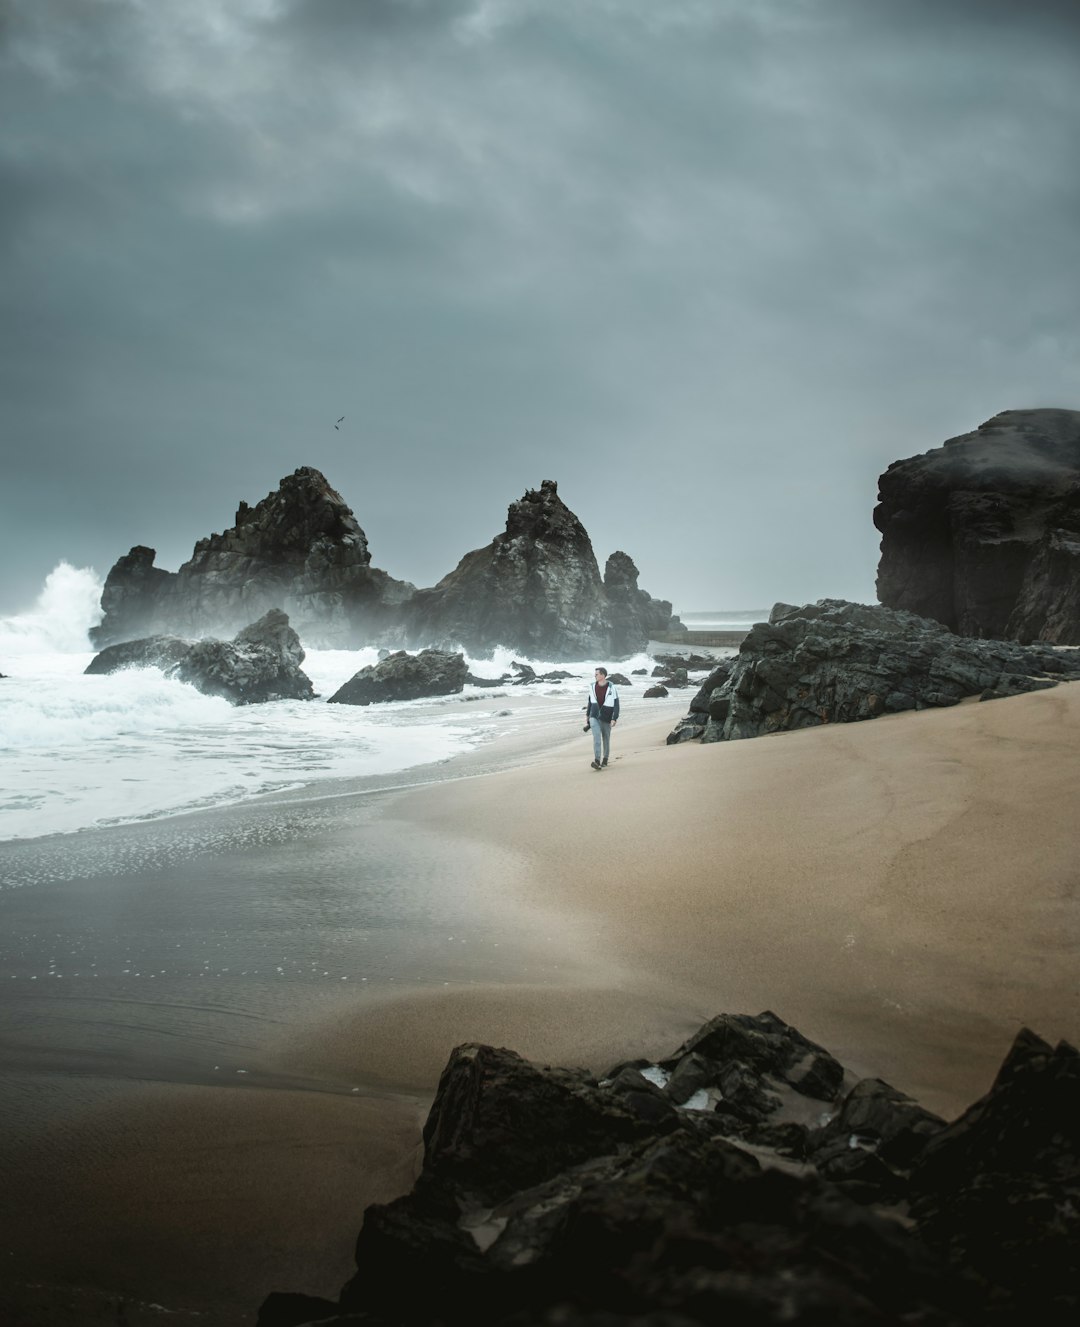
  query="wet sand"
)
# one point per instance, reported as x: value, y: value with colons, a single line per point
x: 903, y: 891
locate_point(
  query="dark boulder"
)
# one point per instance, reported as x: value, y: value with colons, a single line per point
x: 983, y: 533
x: 536, y: 588
x: 837, y: 662
x: 404, y: 676
x: 654, y: 692
x: 299, y: 548
x: 154, y: 652
x: 473, y: 681
x: 262, y: 662
x: 636, y: 617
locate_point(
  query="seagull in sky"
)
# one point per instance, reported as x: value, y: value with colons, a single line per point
x: 339, y: 421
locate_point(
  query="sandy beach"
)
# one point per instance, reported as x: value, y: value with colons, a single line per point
x: 903, y: 891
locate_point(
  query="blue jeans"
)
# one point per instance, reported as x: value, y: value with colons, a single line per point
x: 600, y: 729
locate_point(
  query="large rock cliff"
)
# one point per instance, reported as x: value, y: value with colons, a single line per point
x: 983, y: 533
x: 300, y: 549
x: 536, y: 588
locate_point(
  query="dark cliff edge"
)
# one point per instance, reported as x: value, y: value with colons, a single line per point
x: 536, y: 588
x: 983, y: 533
x: 748, y: 1178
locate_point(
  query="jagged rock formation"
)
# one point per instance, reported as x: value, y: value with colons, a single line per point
x: 262, y: 662
x: 300, y: 549
x: 983, y: 533
x: 747, y: 1179
x: 837, y: 662
x: 403, y: 676
x: 694, y: 724
x: 536, y: 588
x: 635, y: 616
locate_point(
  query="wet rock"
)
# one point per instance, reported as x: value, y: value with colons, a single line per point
x: 837, y: 662
x: 154, y: 652
x: 299, y: 549
x: 654, y: 692
x: 261, y: 663
x: 404, y: 676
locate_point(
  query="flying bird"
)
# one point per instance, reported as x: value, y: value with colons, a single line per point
x: 339, y: 421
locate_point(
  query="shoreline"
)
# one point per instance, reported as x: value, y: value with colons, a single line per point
x: 897, y: 890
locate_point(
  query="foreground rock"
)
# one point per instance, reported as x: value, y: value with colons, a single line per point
x: 403, y: 676
x: 837, y: 662
x: 983, y: 534
x: 746, y: 1179
x: 300, y: 548
x: 261, y: 663
x: 536, y: 589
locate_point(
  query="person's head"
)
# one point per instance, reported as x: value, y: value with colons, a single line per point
x: 601, y: 675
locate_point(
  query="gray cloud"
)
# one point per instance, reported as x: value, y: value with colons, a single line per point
x: 711, y: 266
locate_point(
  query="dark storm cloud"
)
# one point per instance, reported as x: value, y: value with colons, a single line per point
x: 750, y: 254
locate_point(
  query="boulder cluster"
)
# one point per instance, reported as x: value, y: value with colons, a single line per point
x: 535, y: 588
x: 837, y: 662
x: 261, y: 662
x: 748, y: 1178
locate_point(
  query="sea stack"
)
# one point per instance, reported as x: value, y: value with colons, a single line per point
x: 536, y: 588
x: 300, y: 549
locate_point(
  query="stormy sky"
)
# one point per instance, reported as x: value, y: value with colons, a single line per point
x: 710, y: 264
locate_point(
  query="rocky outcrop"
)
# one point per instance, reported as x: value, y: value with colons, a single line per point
x: 636, y: 618
x: 695, y: 722
x: 837, y: 662
x: 747, y: 1178
x: 536, y: 588
x: 261, y: 663
x: 162, y: 652
x: 983, y: 533
x: 299, y: 549
x: 404, y: 676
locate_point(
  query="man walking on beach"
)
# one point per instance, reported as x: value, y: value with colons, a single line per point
x: 602, y: 711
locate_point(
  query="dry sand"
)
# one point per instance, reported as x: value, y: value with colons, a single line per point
x: 903, y: 891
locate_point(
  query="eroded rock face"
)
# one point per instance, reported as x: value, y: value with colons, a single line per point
x: 403, y: 676
x: 746, y: 1178
x: 536, y: 588
x: 299, y: 549
x: 983, y: 533
x: 838, y: 662
x: 261, y: 663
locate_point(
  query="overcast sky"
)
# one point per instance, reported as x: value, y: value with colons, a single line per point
x: 710, y: 264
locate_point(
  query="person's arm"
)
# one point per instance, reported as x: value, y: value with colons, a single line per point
x: 615, y: 711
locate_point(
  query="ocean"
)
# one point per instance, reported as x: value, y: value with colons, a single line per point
x: 80, y: 753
